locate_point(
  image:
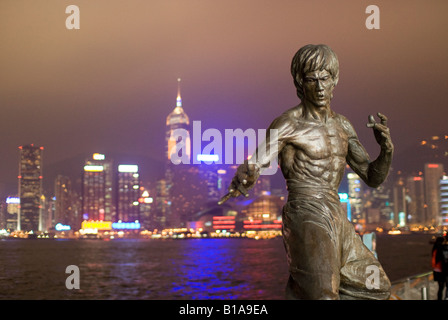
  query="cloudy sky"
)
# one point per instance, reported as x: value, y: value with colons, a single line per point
x: 109, y: 86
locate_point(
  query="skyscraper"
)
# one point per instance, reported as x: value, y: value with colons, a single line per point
x: 444, y: 201
x: 146, y: 201
x: 415, y: 189
x: 211, y: 175
x: 47, y: 214
x: 12, y: 211
x: 188, y: 195
x: 399, y: 199
x: 97, y: 196
x: 63, y: 201
x: 433, y: 174
x: 177, y: 119
x: 355, y: 197
x: 381, y: 199
x: 182, y: 192
x: 30, y: 187
x: 128, y: 205
x: 162, y: 205
x: 93, y: 192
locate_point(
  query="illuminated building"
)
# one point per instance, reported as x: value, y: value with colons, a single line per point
x: 381, y: 199
x: 224, y: 180
x: 30, y: 188
x: 345, y: 202
x: 214, y: 178
x: 262, y: 225
x: 262, y: 185
x: 97, y: 196
x: 399, y: 200
x: 188, y: 195
x: 97, y: 225
x: 126, y: 225
x: 3, y: 215
x: 265, y: 208
x: 63, y: 203
x: 12, y: 212
x: 222, y: 223
x: 93, y: 193
x: 433, y: 174
x: 205, y: 219
x: 179, y: 194
x: 146, y: 208
x: 76, y: 209
x: 355, y: 197
x: 415, y: 189
x: 444, y: 201
x: 177, y: 119
x: 47, y: 214
x: 62, y: 227
x: 262, y: 214
x: 128, y: 205
x: 162, y: 204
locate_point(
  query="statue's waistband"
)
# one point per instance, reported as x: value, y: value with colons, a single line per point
x: 299, y: 191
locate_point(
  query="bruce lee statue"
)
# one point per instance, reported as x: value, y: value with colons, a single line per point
x: 326, y: 257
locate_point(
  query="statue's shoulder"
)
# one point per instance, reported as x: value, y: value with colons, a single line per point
x: 288, y: 117
x: 341, y: 118
x: 293, y: 114
x: 345, y: 123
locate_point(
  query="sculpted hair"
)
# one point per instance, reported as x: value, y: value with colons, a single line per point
x: 312, y: 58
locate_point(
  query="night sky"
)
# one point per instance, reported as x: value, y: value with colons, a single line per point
x: 109, y: 86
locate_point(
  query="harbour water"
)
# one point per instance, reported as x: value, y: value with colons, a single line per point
x: 148, y: 269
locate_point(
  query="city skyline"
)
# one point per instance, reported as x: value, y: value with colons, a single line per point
x: 99, y: 172
x: 108, y: 86
x: 98, y: 187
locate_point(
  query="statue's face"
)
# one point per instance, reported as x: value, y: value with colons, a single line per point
x: 318, y: 88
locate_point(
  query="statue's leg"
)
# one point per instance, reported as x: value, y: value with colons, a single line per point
x: 311, y: 251
x: 362, y: 276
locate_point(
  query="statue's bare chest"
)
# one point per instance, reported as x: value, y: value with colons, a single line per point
x: 320, y: 141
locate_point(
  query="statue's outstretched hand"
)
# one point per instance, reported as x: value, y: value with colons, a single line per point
x: 243, y: 180
x: 381, y: 131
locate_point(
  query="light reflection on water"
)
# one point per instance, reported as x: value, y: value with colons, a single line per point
x: 172, y: 269
x: 143, y: 269
x: 206, y: 270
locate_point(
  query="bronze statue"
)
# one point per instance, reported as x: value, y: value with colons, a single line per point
x: 326, y: 258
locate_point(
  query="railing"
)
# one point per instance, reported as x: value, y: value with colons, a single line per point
x: 418, y: 287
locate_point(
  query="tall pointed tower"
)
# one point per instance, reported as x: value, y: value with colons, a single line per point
x: 177, y: 119
x: 182, y: 192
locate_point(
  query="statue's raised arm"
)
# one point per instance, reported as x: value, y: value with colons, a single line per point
x: 248, y: 172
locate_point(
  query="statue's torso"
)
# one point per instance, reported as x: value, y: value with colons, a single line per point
x: 316, y: 153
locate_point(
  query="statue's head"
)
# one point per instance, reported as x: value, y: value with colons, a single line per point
x: 313, y: 58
